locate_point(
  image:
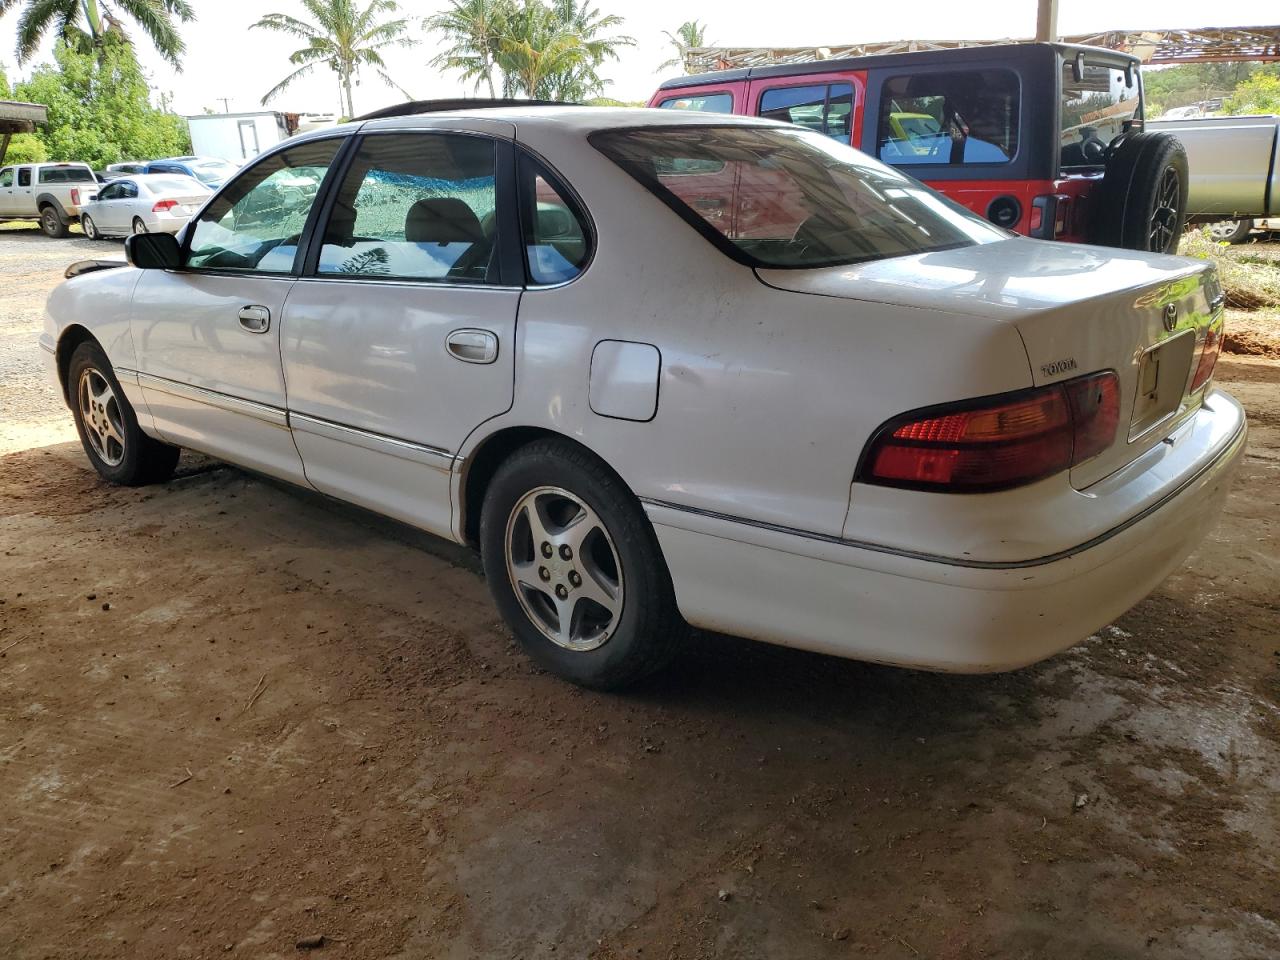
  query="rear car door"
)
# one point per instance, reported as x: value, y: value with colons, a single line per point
x: 398, y: 340
x: 207, y: 335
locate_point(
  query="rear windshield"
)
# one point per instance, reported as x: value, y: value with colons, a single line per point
x: 777, y: 197
x: 67, y: 175
x: 1095, y: 110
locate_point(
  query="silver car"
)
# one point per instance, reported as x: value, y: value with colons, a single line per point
x: 146, y: 203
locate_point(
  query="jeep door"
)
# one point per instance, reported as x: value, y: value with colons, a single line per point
x: 398, y: 339
x: 207, y: 335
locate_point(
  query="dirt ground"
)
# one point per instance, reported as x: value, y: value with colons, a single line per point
x: 234, y: 715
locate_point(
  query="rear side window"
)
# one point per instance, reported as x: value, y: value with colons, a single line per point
x: 556, y: 239
x: 825, y: 108
x: 1094, y: 112
x: 960, y: 117
x: 416, y: 206
x: 700, y: 103
x: 24, y: 176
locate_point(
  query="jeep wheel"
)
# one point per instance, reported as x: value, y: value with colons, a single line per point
x: 1141, y: 203
x: 52, y: 222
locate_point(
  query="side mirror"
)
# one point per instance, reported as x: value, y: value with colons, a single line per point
x: 152, y: 251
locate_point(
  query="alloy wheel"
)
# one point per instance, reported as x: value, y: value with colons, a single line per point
x: 101, y: 416
x: 564, y: 568
x: 89, y: 227
x: 1164, y: 218
x: 139, y: 226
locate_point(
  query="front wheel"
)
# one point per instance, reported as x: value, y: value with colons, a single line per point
x: 575, y: 568
x: 108, y: 426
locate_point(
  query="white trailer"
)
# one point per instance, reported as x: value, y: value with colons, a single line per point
x: 238, y: 137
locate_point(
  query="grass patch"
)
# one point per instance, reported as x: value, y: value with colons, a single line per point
x: 1250, y: 273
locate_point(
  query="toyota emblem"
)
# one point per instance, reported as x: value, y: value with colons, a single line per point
x: 1170, y: 317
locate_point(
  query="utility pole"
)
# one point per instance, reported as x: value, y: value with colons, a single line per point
x: 1046, y: 21
x: 226, y: 102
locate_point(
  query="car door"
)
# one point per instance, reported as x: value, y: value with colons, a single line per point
x: 100, y: 210
x: 207, y: 335
x: 7, y: 180
x: 397, y: 341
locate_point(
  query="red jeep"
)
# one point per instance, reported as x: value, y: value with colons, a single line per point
x: 1042, y: 138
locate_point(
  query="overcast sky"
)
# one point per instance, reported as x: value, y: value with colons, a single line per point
x: 226, y: 59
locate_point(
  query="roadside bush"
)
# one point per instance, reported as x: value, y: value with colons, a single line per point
x: 25, y: 148
x: 1249, y: 281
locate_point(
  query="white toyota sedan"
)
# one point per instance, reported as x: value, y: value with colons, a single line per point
x: 144, y: 203
x: 668, y: 370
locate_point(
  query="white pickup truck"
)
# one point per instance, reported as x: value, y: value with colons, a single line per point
x: 1234, y: 166
x: 48, y: 192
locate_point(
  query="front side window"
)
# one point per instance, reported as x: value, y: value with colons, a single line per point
x: 700, y: 103
x: 790, y: 198
x: 416, y: 206
x: 6, y: 177
x: 555, y: 234
x: 958, y: 117
x: 256, y: 222
x: 110, y: 192
x: 825, y: 108
x: 1095, y: 110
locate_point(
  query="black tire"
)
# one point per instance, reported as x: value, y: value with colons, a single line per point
x: 89, y: 227
x: 1231, y: 231
x: 648, y: 631
x: 1141, y: 203
x: 53, y: 223
x: 141, y: 459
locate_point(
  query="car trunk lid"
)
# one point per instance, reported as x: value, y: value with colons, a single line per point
x: 1078, y: 309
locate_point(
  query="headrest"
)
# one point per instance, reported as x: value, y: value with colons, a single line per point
x: 442, y: 220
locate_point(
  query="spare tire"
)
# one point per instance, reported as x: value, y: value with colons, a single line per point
x: 1141, y: 203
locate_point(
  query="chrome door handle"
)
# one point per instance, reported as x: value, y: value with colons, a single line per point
x: 255, y: 319
x: 472, y: 346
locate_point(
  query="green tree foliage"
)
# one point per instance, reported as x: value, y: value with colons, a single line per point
x: 544, y: 50
x: 92, y: 25
x: 1185, y: 84
x: 342, y: 37
x: 688, y: 35
x: 1259, y: 94
x: 99, y: 111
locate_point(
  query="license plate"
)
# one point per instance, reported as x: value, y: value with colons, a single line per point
x: 1162, y: 381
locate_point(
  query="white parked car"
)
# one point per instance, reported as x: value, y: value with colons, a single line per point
x: 145, y: 203
x: 674, y: 369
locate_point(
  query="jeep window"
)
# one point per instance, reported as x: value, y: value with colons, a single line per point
x: 416, y: 206
x: 824, y: 108
x: 67, y: 175
x: 700, y: 102
x: 784, y: 197
x: 256, y: 222
x: 1095, y: 110
x: 958, y: 117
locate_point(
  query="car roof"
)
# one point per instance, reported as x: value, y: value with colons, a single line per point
x: 567, y: 118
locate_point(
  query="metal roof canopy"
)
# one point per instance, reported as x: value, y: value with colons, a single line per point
x: 18, y: 117
x: 1200, y: 45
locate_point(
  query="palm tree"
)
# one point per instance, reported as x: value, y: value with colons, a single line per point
x: 473, y: 28
x: 586, y: 23
x: 688, y: 36
x: 552, y: 52
x: 90, y: 24
x: 343, y: 37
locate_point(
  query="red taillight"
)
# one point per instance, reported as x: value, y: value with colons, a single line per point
x: 75, y: 197
x: 998, y: 442
x: 1209, y: 351
x: 163, y: 205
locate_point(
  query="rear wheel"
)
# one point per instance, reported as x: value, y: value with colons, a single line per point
x: 89, y: 227
x: 52, y: 222
x: 108, y: 426
x: 1231, y: 231
x: 575, y: 568
x: 139, y: 226
x: 1142, y: 201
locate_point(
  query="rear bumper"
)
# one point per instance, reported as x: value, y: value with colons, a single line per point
x: 871, y: 603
